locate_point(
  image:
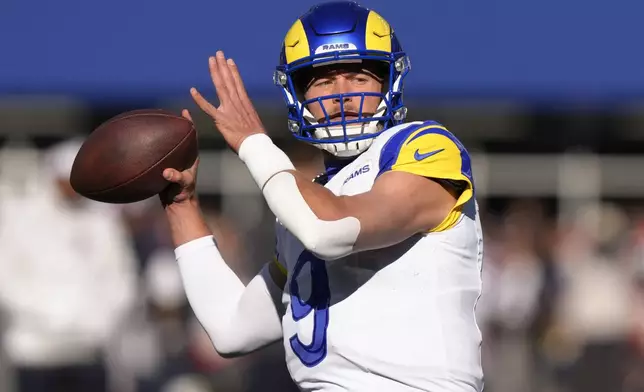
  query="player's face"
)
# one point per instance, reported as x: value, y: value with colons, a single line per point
x: 349, y: 78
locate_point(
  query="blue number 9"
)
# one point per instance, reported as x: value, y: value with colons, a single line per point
x: 315, y: 352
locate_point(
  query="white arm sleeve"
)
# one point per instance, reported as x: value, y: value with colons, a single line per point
x: 269, y: 167
x: 238, y: 319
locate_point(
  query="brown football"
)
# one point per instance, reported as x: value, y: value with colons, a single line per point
x: 123, y: 160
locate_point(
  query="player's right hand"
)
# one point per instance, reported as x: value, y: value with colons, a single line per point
x: 183, y: 183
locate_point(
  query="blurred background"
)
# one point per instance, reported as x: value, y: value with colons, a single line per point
x: 548, y: 97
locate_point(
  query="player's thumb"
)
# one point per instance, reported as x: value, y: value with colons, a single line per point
x: 173, y: 175
x: 184, y: 180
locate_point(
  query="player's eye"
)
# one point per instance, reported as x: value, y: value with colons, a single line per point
x: 323, y: 83
x: 360, y: 79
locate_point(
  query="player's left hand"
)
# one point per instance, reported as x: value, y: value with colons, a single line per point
x: 236, y: 117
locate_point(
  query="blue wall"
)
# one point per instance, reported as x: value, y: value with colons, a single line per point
x: 506, y: 48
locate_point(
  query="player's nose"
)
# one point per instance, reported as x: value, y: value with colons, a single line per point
x: 341, y: 86
x: 344, y: 99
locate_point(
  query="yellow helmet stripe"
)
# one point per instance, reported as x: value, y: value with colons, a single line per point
x: 378, y: 33
x: 296, y: 45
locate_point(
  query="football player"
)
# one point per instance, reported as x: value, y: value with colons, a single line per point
x: 377, y: 267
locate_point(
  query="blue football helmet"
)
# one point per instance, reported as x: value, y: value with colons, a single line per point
x: 342, y: 32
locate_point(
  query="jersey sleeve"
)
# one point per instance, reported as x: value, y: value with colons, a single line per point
x: 431, y: 151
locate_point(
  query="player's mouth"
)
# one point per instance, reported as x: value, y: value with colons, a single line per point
x: 347, y: 116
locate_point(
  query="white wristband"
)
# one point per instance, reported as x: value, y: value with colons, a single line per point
x: 263, y: 158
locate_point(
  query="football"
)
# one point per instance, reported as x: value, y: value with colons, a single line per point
x: 122, y: 161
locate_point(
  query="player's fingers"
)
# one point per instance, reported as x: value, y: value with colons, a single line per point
x: 180, y: 194
x: 173, y: 193
x: 203, y: 103
x: 186, y: 114
x: 228, y: 80
x: 239, y: 86
x: 180, y: 197
x: 218, y: 81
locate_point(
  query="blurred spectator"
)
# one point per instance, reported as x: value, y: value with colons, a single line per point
x: 589, y: 336
x: 68, y: 279
x: 513, y: 280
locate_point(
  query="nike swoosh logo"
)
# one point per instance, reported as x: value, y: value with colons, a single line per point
x: 419, y: 157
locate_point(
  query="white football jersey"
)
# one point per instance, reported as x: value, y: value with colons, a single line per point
x: 399, y: 318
